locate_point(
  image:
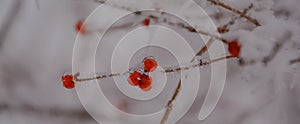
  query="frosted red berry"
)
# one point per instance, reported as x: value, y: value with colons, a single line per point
x: 150, y: 64
x: 234, y: 48
x: 68, y: 81
x: 80, y: 27
x: 146, y: 22
x: 134, y: 78
x: 146, y: 82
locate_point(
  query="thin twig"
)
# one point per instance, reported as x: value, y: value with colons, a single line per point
x: 224, y: 29
x: 294, y: 61
x: 218, y: 59
x: 175, y: 94
x: 114, y: 5
x: 223, y: 5
x: 164, y: 20
x: 204, y: 48
x: 101, y: 76
x: 186, y: 27
x: 201, y: 63
x: 170, y: 104
x: 277, y: 47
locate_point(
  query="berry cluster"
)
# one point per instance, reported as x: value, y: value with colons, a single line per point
x: 139, y: 78
x: 142, y: 78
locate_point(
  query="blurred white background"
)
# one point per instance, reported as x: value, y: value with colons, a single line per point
x: 37, y: 38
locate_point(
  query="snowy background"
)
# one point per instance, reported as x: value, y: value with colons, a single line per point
x: 36, y: 43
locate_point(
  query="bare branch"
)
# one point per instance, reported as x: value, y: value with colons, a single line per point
x: 117, y: 6
x: 227, y: 7
x: 170, y: 104
x: 175, y: 94
x: 201, y: 63
x: 274, y: 51
x: 204, y: 48
x: 186, y: 27
x: 294, y: 61
x: 277, y: 47
x: 76, y: 75
x: 164, y: 20
x: 224, y: 28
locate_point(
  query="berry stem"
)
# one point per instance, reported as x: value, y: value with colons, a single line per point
x: 98, y: 77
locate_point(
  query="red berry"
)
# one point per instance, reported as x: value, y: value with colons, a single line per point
x: 150, y: 64
x: 134, y: 78
x: 80, y: 27
x: 68, y: 81
x: 146, y: 83
x: 146, y: 22
x: 234, y: 48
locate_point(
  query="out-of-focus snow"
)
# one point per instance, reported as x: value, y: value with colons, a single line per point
x: 38, y: 50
